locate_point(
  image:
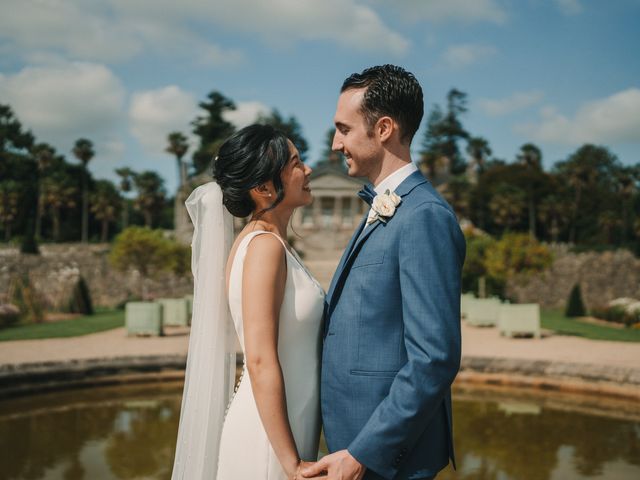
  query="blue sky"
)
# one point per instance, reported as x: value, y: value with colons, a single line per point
x: 124, y: 73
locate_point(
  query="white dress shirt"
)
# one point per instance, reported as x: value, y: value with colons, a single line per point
x: 391, y: 183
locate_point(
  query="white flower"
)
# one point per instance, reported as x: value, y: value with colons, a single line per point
x: 383, y: 207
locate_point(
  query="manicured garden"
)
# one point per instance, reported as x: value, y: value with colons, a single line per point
x: 100, y: 321
x: 556, y: 321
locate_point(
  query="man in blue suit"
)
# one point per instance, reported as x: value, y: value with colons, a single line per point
x: 392, y: 314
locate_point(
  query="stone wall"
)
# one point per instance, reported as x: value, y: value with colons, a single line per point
x: 55, y: 270
x: 602, y: 277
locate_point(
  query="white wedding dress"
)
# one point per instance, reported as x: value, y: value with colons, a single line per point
x: 245, y: 452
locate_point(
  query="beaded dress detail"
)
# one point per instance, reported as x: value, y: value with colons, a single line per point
x: 245, y: 452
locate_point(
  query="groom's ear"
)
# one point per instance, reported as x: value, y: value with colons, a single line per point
x: 384, y: 128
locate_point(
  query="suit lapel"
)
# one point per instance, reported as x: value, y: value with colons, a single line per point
x: 412, y: 181
x: 345, y: 256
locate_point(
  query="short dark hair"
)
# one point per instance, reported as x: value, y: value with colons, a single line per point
x: 247, y: 159
x: 391, y: 91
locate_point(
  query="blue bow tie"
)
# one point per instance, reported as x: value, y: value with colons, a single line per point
x: 367, y: 194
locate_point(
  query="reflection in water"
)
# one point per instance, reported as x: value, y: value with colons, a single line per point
x: 129, y: 432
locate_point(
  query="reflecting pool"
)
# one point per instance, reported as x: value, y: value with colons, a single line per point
x: 129, y: 432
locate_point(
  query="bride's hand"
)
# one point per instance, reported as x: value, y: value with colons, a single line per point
x: 304, y: 464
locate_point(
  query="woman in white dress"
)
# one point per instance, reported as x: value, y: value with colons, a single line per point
x: 273, y: 421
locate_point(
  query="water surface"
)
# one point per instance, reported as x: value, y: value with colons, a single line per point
x: 129, y: 432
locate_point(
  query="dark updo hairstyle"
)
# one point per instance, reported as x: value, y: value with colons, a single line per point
x: 247, y: 159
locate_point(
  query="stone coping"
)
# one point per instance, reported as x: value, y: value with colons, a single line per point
x: 37, y: 377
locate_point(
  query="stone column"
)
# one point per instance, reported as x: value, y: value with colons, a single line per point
x: 337, y: 212
x: 317, y: 202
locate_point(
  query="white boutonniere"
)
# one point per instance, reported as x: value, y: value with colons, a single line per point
x: 383, y: 207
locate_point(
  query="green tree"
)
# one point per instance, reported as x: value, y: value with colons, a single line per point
x: 457, y: 193
x: 507, y: 206
x: 479, y: 150
x: 212, y: 129
x: 43, y: 154
x: 126, y: 178
x: 83, y: 151
x: 474, y: 264
x: 105, y: 204
x: 58, y: 193
x: 530, y: 156
x: 9, y: 201
x: 554, y: 214
x: 151, y: 195
x: 144, y: 250
x: 589, y: 169
x: 13, y: 138
x: 516, y: 253
x: 178, y: 145
x: 444, y: 131
x: 290, y: 127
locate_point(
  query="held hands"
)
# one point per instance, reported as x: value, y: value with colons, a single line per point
x: 337, y: 466
x: 295, y: 474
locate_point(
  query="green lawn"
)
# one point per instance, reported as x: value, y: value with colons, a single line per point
x: 561, y: 325
x: 100, y: 321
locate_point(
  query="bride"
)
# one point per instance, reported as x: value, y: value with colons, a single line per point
x: 273, y: 419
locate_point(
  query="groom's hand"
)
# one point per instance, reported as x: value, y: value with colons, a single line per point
x: 337, y: 466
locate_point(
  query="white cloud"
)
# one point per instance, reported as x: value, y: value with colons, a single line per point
x: 512, y: 103
x: 450, y: 10
x: 245, y: 113
x: 116, y: 30
x: 62, y: 102
x: 153, y: 114
x: 569, y: 7
x: 459, y: 56
x: 611, y: 119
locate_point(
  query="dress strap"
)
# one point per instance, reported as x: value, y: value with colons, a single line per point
x: 250, y: 236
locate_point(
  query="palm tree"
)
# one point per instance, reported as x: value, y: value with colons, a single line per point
x: 151, y: 195
x: 105, y: 203
x: 126, y: 176
x: 9, y: 200
x: 83, y: 151
x: 553, y: 212
x: 627, y: 184
x: 608, y: 221
x: 479, y: 150
x: 178, y: 146
x: 43, y: 154
x: 531, y: 157
x: 57, y: 194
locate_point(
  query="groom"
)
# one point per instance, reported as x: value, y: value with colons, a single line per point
x: 392, y: 314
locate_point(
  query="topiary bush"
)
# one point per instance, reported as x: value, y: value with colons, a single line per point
x: 80, y: 299
x: 575, y: 305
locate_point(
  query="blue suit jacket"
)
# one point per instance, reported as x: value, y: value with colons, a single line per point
x: 392, y: 339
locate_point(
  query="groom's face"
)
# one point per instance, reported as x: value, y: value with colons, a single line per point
x: 354, y: 138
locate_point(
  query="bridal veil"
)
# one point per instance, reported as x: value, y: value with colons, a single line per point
x: 210, y: 372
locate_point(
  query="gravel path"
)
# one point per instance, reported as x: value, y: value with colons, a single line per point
x: 477, y: 342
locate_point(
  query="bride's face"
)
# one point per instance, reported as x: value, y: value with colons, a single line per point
x: 295, y: 180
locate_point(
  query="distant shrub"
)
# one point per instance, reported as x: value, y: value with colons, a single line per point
x: 617, y: 314
x: 575, y: 305
x: 80, y: 299
x: 150, y: 253
x: 9, y: 314
x: 23, y: 295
